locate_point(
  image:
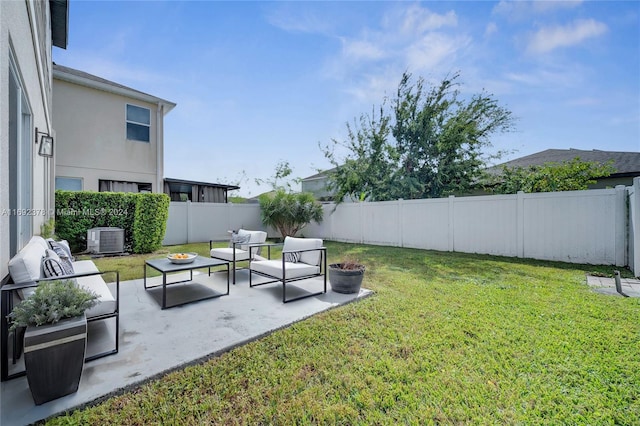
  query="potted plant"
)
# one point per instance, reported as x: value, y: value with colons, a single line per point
x: 346, y: 277
x: 56, y: 337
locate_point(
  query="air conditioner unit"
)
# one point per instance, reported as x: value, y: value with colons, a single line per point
x: 105, y: 240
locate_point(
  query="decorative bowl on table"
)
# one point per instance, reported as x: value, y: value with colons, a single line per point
x: 182, y: 257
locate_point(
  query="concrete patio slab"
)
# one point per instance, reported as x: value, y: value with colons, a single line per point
x: 154, y: 341
x: 605, y: 285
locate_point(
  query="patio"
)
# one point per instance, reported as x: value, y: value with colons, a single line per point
x: 154, y: 341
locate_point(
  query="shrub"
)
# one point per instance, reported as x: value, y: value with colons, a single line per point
x: 51, y: 302
x: 142, y: 216
x: 150, y: 222
x: 289, y: 212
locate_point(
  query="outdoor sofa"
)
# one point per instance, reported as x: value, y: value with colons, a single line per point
x: 27, y: 269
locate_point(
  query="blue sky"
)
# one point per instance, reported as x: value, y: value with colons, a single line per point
x: 257, y: 83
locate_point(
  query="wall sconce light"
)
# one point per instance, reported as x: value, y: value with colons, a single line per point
x: 46, y: 144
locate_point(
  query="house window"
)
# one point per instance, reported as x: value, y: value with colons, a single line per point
x: 138, y: 123
x: 69, y: 183
x: 20, y: 161
x: 119, y: 186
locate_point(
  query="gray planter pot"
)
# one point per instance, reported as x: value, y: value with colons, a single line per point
x: 54, y: 357
x: 345, y: 281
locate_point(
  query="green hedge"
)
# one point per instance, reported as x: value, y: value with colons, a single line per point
x: 142, y: 216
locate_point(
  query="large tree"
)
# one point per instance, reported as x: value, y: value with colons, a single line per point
x: 438, y: 144
x: 369, y: 170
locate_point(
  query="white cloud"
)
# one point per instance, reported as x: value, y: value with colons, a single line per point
x: 362, y: 50
x: 490, y: 29
x: 548, y: 78
x: 584, y: 102
x: 307, y: 22
x: 433, y: 50
x: 409, y: 38
x: 550, y: 38
x: 517, y: 10
x: 416, y: 20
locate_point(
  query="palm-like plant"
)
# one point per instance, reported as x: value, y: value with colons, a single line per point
x: 289, y: 212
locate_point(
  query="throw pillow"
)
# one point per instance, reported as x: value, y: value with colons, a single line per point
x: 65, y: 261
x: 240, y: 239
x: 51, y: 265
x: 62, y: 245
x: 292, y: 257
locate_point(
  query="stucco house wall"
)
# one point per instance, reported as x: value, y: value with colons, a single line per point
x: 25, y: 45
x: 91, y: 128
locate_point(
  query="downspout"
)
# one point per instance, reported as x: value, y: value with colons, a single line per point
x: 159, y: 149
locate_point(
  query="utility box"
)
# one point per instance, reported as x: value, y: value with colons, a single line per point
x: 105, y: 240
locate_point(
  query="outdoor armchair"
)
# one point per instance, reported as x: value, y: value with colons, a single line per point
x: 302, y: 258
x: 244, y: 245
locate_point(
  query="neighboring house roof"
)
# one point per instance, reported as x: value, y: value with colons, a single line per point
x: 59, y: 22
x: 321, y: 175
x: 89, y: 80
x: 625, y: 163
x: 192, y: 182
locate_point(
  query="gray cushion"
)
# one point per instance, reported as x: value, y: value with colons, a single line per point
x: 96, y: 284
x: 297, y: 244
x: 26, y: 265
x: 273, y: 268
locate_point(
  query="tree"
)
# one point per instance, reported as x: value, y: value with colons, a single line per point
x: 289, y: 212
x: 574, y: 175
x: 369, y: 172
x: 279, y: 178
x: 437, y: 148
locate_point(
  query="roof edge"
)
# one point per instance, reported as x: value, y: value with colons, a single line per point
x: 109, y: 86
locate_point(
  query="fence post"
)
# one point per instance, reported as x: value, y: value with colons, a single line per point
x: 361, y: 214
x: 400, y: 223
x: 620, y: 226
x: 451, y: 225
x: 189, y: 221
x: 634, y: 225
x: 520, y: 224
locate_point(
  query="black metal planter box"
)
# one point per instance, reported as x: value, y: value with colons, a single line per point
x: 54, y: 357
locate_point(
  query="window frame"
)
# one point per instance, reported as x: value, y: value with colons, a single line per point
x: 143, y: 187
x: 21, y: 174
x: 81, y: 180
x: 136, y: 123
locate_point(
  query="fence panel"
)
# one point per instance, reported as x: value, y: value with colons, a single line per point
x: 177, y: 222
x: 208, y: 221
x: 200, y: 222
x: 485, y: 224
x: 346, y: 223
x: 595, y: 226
x: 322, y: 229
x: 381, y: 223
x: 425, y: 224
x: 577, y: 227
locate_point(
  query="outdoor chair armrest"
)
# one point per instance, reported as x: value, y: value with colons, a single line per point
x: 79, y: 275
x: 267, y: 245
x: 18, y: 286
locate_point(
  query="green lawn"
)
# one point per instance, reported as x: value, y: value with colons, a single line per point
x: 447, y: 338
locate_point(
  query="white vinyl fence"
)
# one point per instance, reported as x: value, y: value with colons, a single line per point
x: 595, y: 226
x: 200, y: 222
